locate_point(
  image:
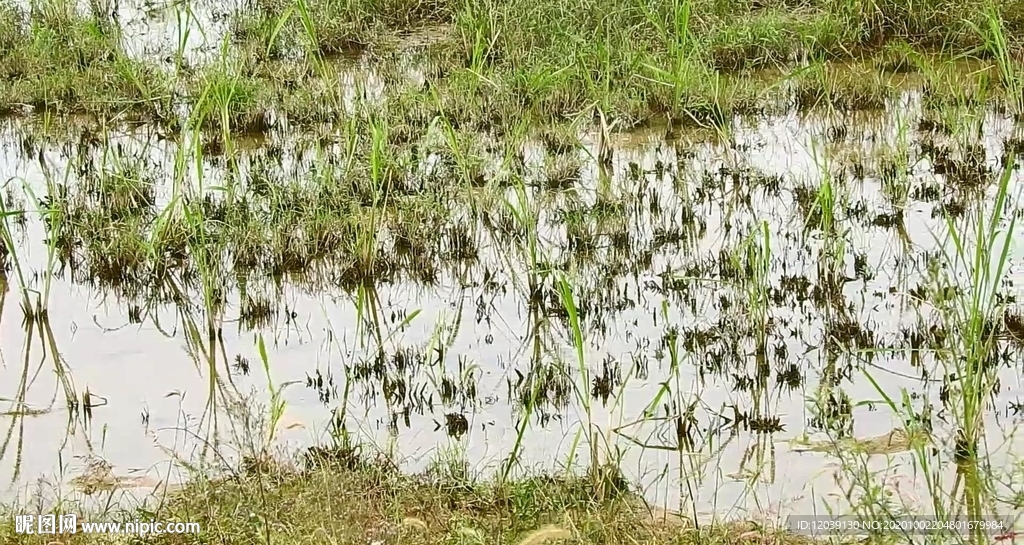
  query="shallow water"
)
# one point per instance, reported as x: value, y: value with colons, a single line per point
x: 651, y: 273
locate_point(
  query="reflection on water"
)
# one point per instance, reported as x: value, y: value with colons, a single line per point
x: 733, y: 292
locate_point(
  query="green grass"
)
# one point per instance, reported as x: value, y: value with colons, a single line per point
x: 370, y: 503
x: 494, y: 63
x: 56, y: 58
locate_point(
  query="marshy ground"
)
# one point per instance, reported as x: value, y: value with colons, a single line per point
x: 747, y: 259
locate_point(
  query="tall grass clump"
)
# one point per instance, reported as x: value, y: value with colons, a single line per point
x: 229, y: 100
x: 976, y: 249
x: 996, y: 44
x: 981, y: 249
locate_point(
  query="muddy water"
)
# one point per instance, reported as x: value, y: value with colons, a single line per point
x: 683, y: 204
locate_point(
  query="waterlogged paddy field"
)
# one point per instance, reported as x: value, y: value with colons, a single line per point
x: 749, y: 315
x: 724, y: 311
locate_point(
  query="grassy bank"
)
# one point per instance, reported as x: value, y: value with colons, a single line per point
x: 488, y: 65
x: 372, y: 503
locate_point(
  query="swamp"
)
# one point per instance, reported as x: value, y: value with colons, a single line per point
x: 463, y: 272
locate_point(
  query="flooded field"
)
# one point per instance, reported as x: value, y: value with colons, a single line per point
x: 714, y: 310
x: 273, y: 231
